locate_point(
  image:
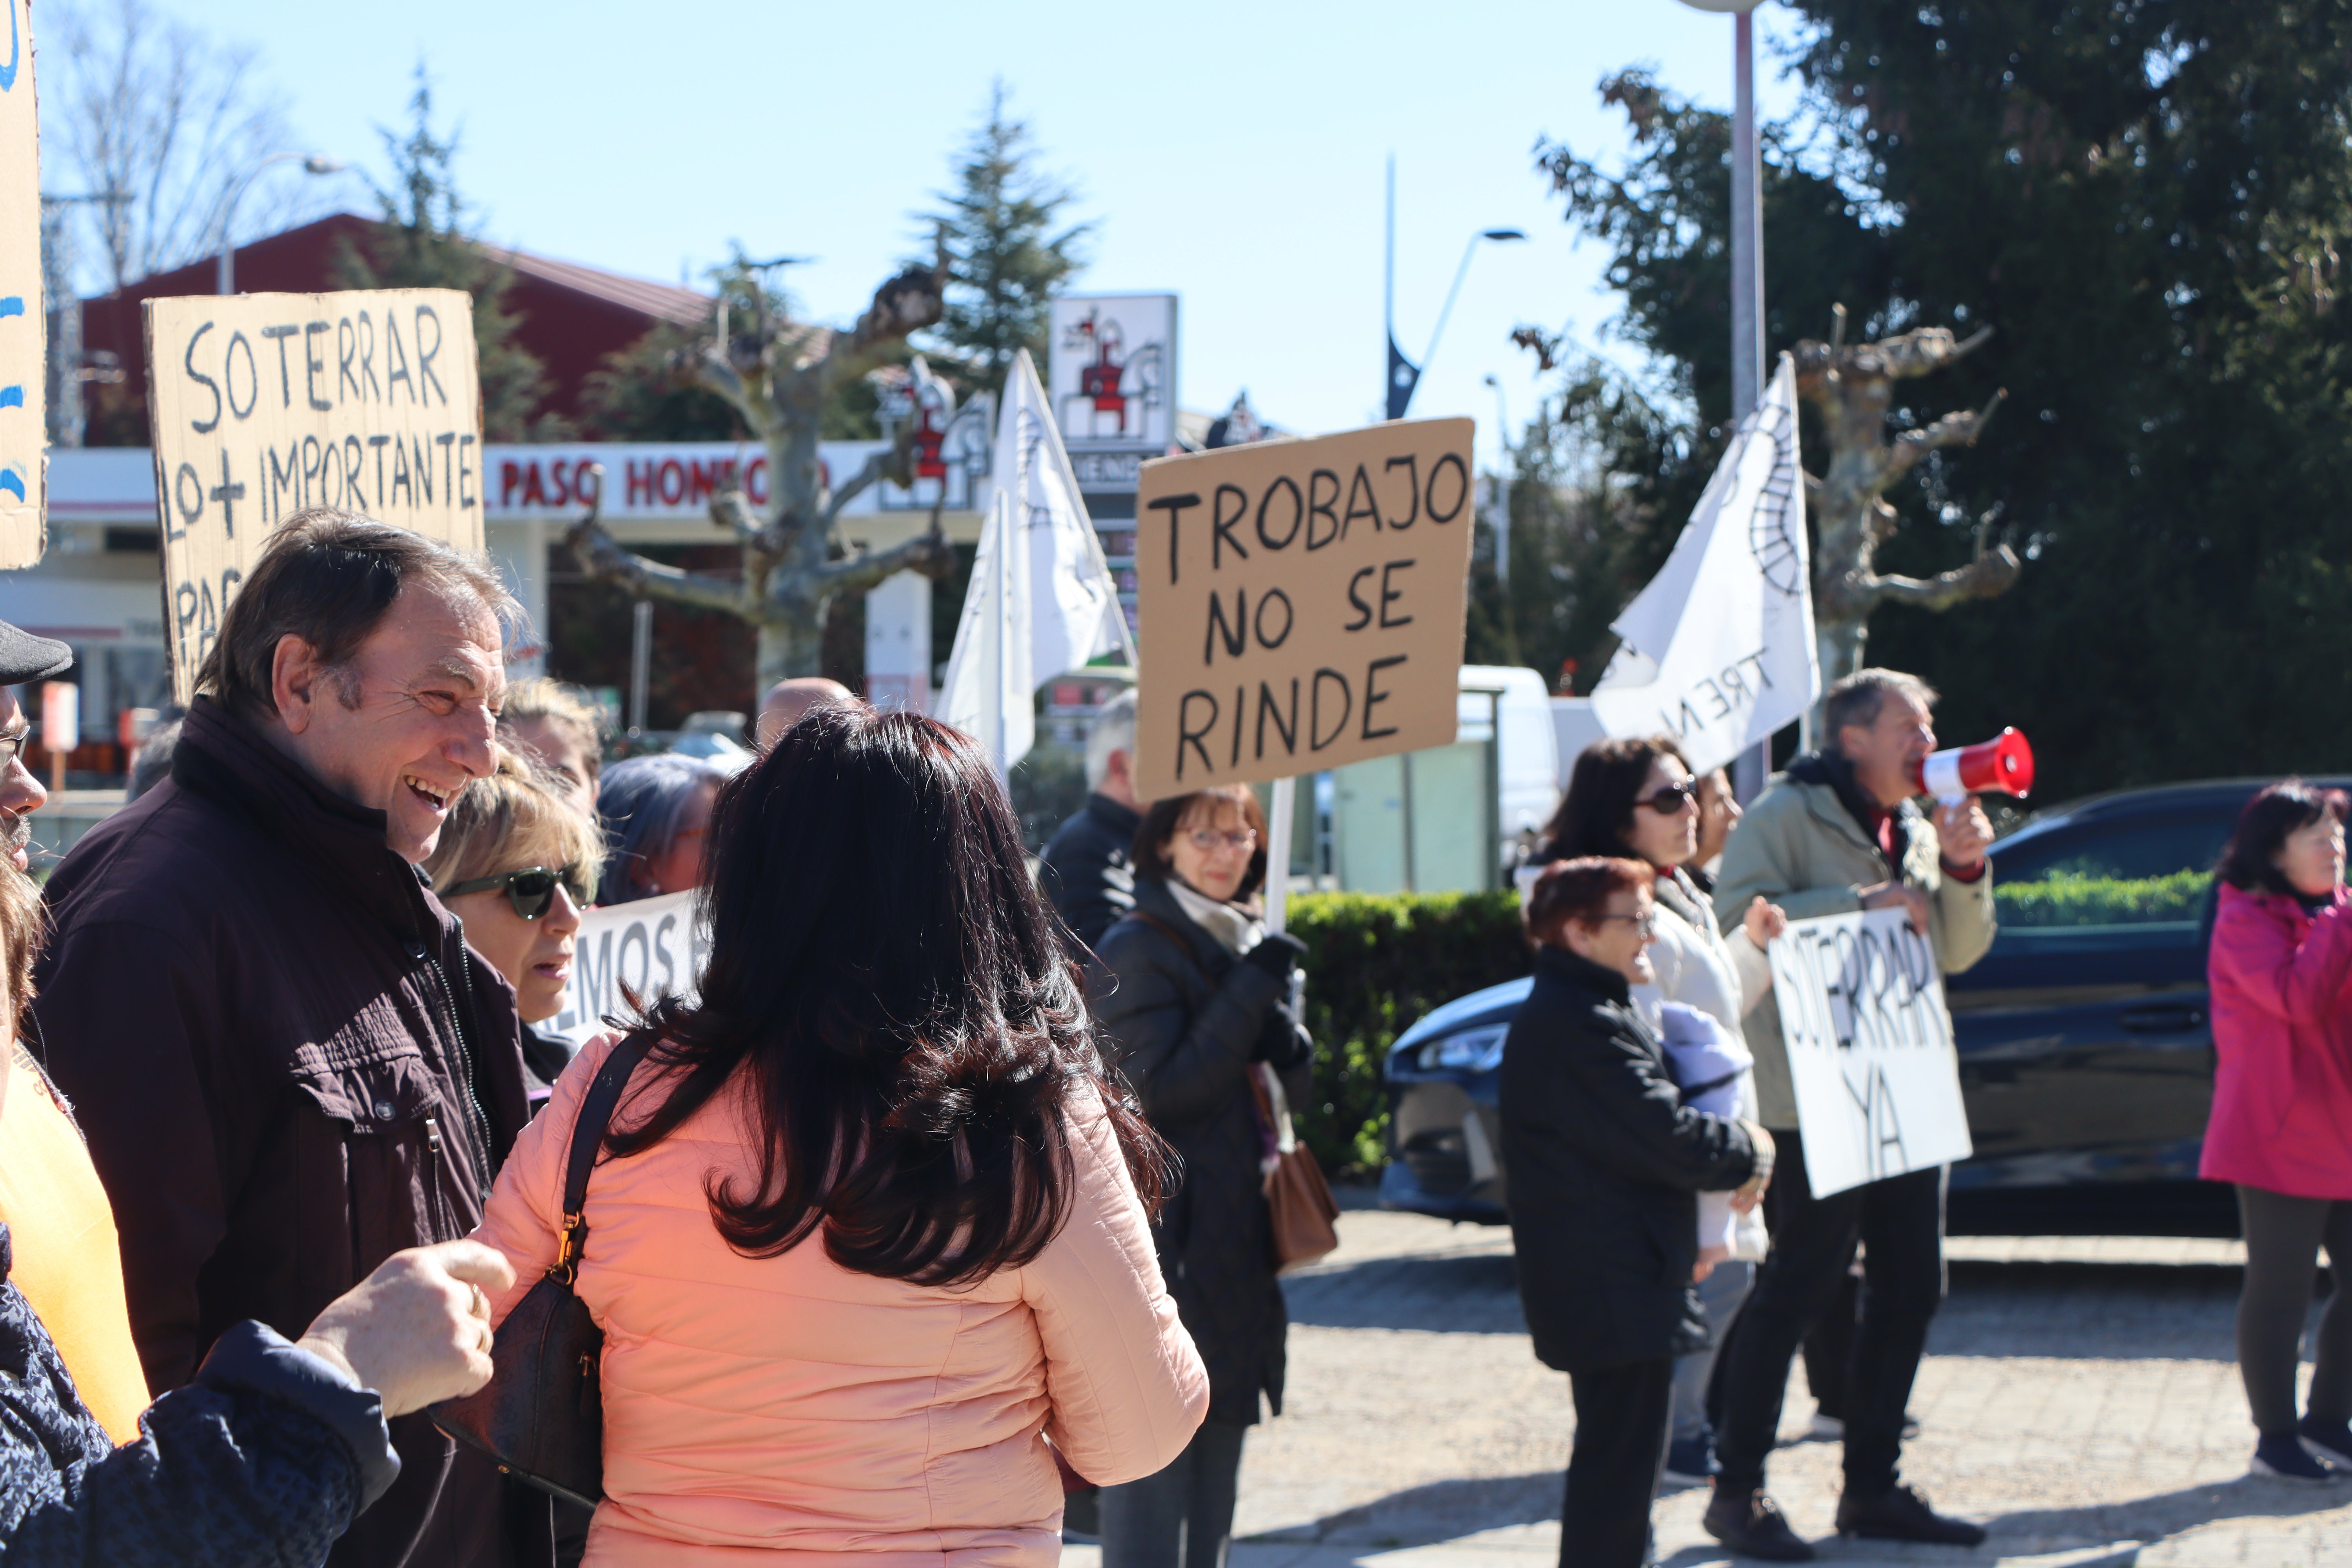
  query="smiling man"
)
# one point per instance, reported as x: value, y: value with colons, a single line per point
x: 288, y: 1062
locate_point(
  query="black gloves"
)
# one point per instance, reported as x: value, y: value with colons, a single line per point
x: 1281, y: 1043
x: 1278, y: 954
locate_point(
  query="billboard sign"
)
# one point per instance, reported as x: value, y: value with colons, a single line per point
x: 1111, y: 378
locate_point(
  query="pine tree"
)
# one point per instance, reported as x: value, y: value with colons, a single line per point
x: 1004, y: 263
x: 426, y: 243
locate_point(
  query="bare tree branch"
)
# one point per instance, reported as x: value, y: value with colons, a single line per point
x: 1952, y: 430
x: 929, y: 553
x: 600, y: 557
x: 888, y: 464
x: 1988, y: 576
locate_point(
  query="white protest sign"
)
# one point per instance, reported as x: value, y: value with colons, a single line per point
x: 652, y: 946
x: 1870, y: 1048
x: 23, y: 364
x: 1718, y: 651
x: 261, y: 404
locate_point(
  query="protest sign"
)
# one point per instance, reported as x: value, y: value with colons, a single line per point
x: 1870, y: 1048
x: 23, y: 364
x: 1300, y: 604
x: 262, y: 405
x: 651, y: 946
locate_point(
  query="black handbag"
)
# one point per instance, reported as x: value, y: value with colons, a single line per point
x: 541, y: 1415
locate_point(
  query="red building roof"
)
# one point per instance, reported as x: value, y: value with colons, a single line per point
x: 571, y: 317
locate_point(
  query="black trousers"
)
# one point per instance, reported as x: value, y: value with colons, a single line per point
x: 1182, y: 1516
x: 2283, y: 1236
x: 1613, y: 1470
x: 1900, y: 1222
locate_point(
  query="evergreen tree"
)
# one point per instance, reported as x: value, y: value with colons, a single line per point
x: 426, y: 243
x: 1005, y: 262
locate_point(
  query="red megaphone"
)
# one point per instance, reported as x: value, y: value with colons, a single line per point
x: 2003, y: 765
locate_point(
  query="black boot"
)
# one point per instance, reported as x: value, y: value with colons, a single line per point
x: 1750, y: 1524
x: 1902, y: 1514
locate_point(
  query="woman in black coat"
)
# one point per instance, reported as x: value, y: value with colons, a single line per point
x: 1606, y: 1162
x: 1195, y: 1006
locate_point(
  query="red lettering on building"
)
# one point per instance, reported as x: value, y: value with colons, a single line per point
x: 641, y: 482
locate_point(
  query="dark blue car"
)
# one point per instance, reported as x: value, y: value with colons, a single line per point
x: 2086, y: 1056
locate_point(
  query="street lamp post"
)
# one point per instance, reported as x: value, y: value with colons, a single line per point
x: 312, y: 163
x: 1503, y: 494
x: 1404, y: 376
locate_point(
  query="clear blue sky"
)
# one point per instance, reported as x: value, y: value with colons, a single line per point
x: 1232, y: 155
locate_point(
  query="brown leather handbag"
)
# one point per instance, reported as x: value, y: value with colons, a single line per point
x: 541, y: 1415
x: 1306, y: 1216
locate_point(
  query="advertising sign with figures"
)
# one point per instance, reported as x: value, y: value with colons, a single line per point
x: 1870, y: 1048
x: 1718, y: 650
x: 1111, y: 377
x: 1302, y: 603
x: 262, y: 405
x: 23, y: 354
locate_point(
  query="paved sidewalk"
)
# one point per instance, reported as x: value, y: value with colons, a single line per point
x: 2079, y: 1397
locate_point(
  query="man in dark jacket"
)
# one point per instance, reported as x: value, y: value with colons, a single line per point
x: 288, y: 1062
x: 1086, y: 872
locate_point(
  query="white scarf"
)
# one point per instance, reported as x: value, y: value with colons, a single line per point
x: 1236, y: 929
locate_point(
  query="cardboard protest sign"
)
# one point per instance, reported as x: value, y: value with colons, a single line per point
x: 1300, y: 604
x: 652, y: 946
x: 262, y: 405
x: 24, y: 335
x: 1870, y: 1048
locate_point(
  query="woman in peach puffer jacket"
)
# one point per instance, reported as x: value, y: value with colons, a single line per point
x: 870, y: 1228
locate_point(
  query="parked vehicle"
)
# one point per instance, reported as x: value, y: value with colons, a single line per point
x: 2086, y: 1053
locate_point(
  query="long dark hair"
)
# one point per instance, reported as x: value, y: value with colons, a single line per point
x: 1597, y: 812
x: 2279, y: 810
x: 883, y: 971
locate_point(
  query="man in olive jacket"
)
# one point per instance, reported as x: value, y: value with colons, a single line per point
x: 1837, y: 833
x: 286, y: 1060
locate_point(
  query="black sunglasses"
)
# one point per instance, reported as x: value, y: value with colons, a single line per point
x: 530, y: 890
x: 1670, y: 798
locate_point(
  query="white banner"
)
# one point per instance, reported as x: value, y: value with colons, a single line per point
x: 652, y: 946
x: 1718, y: 651
x: 1870, y: 1048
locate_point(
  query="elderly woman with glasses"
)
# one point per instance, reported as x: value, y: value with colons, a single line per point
x: 1637, y: 800
x: 516, y: 864
x: 1196, y: 1011
x: 1606, y: 1158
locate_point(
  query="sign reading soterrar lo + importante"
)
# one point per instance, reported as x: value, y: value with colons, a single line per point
x: 263, y: 404
x: 1300, y: 604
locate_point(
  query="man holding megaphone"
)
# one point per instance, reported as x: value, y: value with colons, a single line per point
x: 1840, y: 832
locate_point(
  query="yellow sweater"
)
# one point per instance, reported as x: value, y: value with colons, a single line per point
x: 69, y: 1263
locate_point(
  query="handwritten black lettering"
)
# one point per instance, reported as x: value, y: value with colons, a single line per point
x: 1287, y: 729
x: 1186, y: 735
x: 312, y: 364
x: 1221, y: 524
x: 1316, y: 737
x: 1234, y: 633
x: 424, y: 355
x: 1389, y: 596
x: 1363, y: 611
x: 1320, y: 505
x: 1411, y: 489
x: 1373, y: 695
x: 203, y: 426
x: 1175, y: 507
x: 1289, y: 617
x: 1359, y: 491
x: 1461, y: 487
x: 1298, y: 512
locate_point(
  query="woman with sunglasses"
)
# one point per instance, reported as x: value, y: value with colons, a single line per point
x: 1637, y: 799
x: 1198, y: 1018
x: 1606, y: 1159
x: 516, y: 864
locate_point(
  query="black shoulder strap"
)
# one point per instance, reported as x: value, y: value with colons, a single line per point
x: 587, y: 1138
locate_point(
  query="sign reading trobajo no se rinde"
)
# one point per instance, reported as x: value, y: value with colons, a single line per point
x: 1300, y: 604
x: 1870, y: 1048
x: 262, y: 405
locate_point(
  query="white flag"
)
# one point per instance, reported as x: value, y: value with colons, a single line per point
x: 1718, y: 651
x: 1042, y: 601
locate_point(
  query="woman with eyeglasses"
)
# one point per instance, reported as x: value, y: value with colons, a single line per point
x: 516, y: 864
x: 1197, y: 1008
x: 1638, y: 800
x: 1606, y: 1161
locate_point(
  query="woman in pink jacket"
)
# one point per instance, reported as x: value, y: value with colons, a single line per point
x: 870, y: 1230
x: 2281, y: 970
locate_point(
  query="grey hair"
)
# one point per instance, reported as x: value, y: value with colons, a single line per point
x: 1857, y: 699
x: 640, y: 803
x: 1114, y: 731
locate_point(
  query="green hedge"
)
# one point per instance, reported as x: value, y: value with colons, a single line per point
x: 1375, y: 963
x: 2065, y: 900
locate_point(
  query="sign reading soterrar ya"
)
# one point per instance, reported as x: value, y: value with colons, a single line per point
x: 262, y: 405
x: 1300, y: 604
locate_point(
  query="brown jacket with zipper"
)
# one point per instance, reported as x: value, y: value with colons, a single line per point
x: 288, y: 1065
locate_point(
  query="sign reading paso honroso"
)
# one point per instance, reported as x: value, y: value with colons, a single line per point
x: 262, y: 405
x: 1870, y: 1048
x: 1301, y: 604
x: 645, y: 950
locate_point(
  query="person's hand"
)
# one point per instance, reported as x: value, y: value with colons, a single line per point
x: 1964, y: 831
x: 1894, y: 895
x: 1278, y: 955
x: 418, y: 1329
x: 1745, y: 1199
x: 1765, y: 920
